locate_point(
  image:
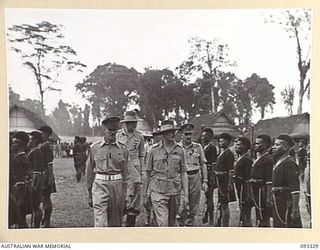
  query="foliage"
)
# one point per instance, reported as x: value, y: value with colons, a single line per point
x: 288, y: 98
x: 297, y: 24
x: 109, y: 89
x: 41, y: 49
x: 205, y: 58
x: 261, y: 93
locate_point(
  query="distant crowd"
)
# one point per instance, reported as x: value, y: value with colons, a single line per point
x: 163, y: 176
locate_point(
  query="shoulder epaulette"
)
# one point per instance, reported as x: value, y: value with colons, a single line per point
x: 95, y: 143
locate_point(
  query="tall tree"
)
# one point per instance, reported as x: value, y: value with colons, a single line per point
x: 261, y: 93
x: 62, y: 119
x: 42, y: 50
x: 297, y: 23
x: 288, y: 98
x: 205, y: 58
x: 109, y: 89
x: 86, y: 126
x: 76, y: 118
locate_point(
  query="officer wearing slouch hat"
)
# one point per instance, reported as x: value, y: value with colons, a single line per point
x: 134, y: 142
x: 49, y: 185
x: 166, y: 173
x: 107, y: 176
x: 285, y: 185
x: 196, y: 162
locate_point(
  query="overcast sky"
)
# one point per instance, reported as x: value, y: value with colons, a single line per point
x: 158, y: 39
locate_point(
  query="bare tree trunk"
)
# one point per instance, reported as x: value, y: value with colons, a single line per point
x: 212, y: 98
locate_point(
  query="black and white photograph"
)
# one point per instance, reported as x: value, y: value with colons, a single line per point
x: 159, y: 118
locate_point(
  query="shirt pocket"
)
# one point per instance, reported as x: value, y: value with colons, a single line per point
x: 195, y: 159
x: 174, y: 168
x: 159, y: 163
x: 101, y: 162
x: 118, y: 160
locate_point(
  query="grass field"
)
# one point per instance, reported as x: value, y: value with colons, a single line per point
x: 70, y: 203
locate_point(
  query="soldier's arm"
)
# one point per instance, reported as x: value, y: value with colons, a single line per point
x: 184, y: 176
x: 141, y: 154
x: 268, y: 168
x: 202, y: 160
x: 149, y: 167
x: 229, y: 163
x: 90, y: 173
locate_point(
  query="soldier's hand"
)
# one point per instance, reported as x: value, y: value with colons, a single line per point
x: 186, y: 203
x: 230, y: 187
x: 205, y: 186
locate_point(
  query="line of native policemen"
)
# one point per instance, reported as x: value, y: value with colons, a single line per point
x: 31, y: 178
x: 169, y: 177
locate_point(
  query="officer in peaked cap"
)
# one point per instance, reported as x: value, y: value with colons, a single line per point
x: 106, y: 176
x: 196, y: 162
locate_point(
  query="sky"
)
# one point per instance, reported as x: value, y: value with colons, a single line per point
x: 159, y: 39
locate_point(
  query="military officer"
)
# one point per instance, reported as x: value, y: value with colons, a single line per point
x: 35, y: 157
x: 285, y: 185
x: 261, y: 180
x: 107, y: 176
x: 224, y: 173
x: 210, y: 152
x: 20, y: 176
x: 135, y: 144
x: 196, y: 162
x: 166, y: 171
x: 241, y: 176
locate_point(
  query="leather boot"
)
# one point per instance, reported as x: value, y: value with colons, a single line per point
x: 131, y: 220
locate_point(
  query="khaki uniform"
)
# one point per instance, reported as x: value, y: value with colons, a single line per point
x: 135, y: 146
x: 106, y: 179
x: 195, y: 158
x: 165, y: 181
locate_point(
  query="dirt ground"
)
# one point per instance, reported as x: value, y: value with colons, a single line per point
x: 70, y: 203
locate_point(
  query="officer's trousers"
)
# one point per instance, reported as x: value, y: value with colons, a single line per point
x: 108, y: 203
x: 133, y: 205
x: 165, y: 208
x: 194, y: 186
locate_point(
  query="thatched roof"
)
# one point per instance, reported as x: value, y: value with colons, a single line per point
x: 34, y: 118
x: 219, y: 122
x: 295, y: 125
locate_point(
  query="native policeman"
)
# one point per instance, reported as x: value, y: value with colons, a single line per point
x: 224, y: 173
x: 135, y: 145
x: 166, y: 171
x: 196, y: 162
x: 107, y: 176
x: 261, y: 180
x: 35, y: 157
x: 241, y: 176
x: 20, y: 175
x: 78, y: 157
x: 285, y: 185
x: 210, y: 152
x: 49, y: 185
